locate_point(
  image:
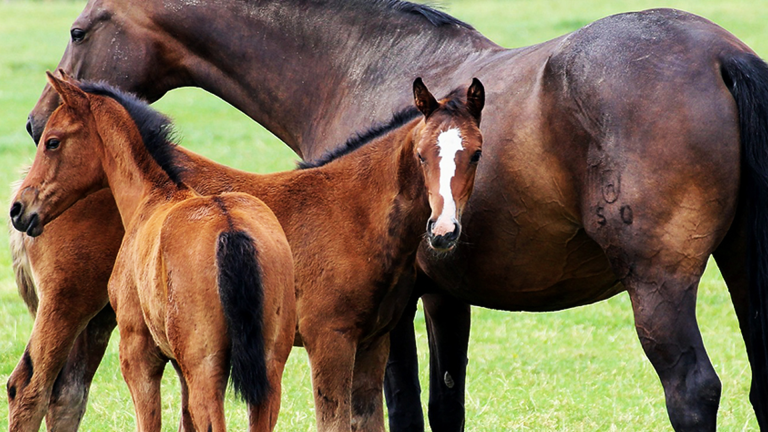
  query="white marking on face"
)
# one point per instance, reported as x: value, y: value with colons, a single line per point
x: 449, y: 143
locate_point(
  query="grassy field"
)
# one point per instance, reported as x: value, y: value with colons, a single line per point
x: 577, y: 370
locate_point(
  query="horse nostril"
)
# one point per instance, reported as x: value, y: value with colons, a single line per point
x: 453, y: 235
x: 29, y: 127
x: 16, y: 210
x: 430, y: 226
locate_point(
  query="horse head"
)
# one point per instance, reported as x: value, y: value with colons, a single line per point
x: 121, y: 46
x: 448, y: 147
x: 65, y: 167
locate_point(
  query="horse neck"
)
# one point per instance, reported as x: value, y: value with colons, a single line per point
x: 383, y: 183
x: 132, y: 175
x: 313, y: 73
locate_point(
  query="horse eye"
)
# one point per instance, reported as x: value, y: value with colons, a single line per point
x: 421, y: 158
x: 77, y: 34
x: 476, y: 156
x: 52, y: 144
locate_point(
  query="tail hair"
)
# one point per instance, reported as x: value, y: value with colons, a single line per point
x: 242, y: 298
x: 746, y: 75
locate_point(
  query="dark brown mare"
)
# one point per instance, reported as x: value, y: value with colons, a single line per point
x: 615, y: 163
x: 354, y: 219
x: 205, y: 282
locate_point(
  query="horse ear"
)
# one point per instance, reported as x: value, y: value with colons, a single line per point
x: 476, y: 99
x: 64, y: 76
x: 71, y: 95
x: 423, y: 99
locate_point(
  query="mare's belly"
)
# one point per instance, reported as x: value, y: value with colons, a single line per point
x: 562, y: 270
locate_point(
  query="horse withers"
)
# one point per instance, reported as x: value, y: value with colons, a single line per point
x: 205, y: 282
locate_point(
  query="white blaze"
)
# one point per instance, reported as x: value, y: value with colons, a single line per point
x: 449, y: 143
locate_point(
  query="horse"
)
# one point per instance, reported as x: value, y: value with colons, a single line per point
x: 203, y: 282
x: 376, y: 190
x: 599, y: 136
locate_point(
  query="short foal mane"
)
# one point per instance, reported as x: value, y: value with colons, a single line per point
x: 156, y: 129
x: 360, y: 139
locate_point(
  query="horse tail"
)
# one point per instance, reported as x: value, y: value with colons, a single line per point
x: 242, y: 299
x: 22, y: 268
x: 747, y: 78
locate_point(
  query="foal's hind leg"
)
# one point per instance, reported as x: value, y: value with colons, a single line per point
x: 142, y: 365
x: 185, y: 423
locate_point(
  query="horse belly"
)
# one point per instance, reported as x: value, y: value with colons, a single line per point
x: 524, y: 271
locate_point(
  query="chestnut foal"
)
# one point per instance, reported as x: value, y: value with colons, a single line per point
x: 205, y: 282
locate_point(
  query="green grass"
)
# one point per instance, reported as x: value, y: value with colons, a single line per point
x: 577, y: 370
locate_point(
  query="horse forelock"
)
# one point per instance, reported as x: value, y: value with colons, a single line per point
x: 156, y: 129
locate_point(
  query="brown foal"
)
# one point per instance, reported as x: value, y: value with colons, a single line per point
x: 205, y: 282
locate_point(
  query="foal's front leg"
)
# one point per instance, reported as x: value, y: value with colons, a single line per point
x: 331, y: 356
x: 367, y: 386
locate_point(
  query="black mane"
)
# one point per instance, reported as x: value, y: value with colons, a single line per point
x: 360, y: 139
x: 436, y: 17
x: 155, y: 128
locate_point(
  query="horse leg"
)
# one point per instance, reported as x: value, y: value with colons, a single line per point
x: 401, y: 380
x: 664, y: 305
x: 56, y: 327
x: 448, y: 322
x: 70, y: 391
x: 263, y: 418
x: 331, y: 357
x: 367, y: 403
x: 185, y: 424
x: 142, y: 365
x: 206, y: 381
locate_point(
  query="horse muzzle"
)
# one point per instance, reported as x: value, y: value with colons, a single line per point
x: 26, y: 222
x: 443, y: 236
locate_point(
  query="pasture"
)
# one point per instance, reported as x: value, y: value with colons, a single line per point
x: 576, y: 370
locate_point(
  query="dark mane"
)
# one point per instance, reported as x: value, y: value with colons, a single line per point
x: 436, y: 17
x: 155, y: 128
x: 360, y: 139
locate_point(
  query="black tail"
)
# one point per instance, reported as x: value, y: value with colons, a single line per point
x: 242, y: 299
x: 747, y: 76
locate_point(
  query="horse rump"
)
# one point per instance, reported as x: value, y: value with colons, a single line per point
x: 242, y: 299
